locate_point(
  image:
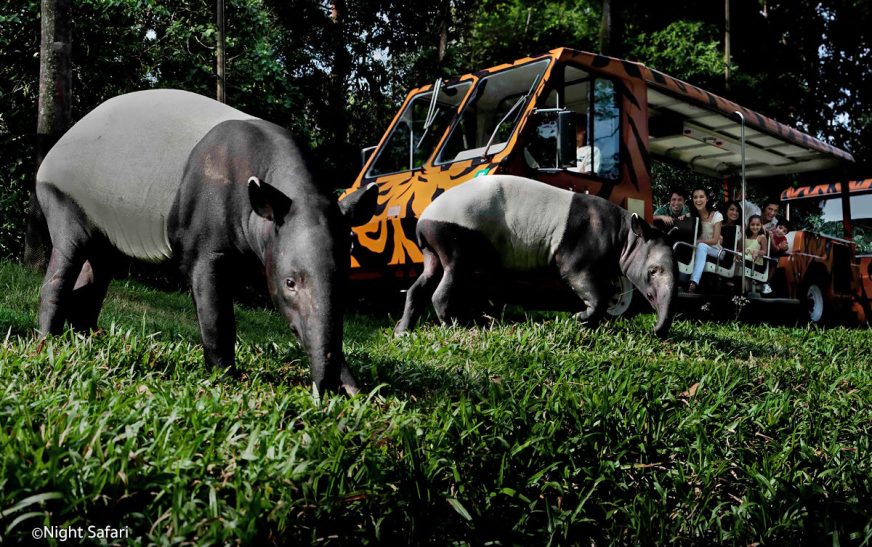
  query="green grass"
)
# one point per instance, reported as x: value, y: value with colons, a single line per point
x: 524, y: 432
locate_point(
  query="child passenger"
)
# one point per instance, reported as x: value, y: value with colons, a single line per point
x: 755, y: 241
x: 781, y: 241
x: 756, y: 245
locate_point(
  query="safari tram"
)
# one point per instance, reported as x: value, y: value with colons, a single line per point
x: 525, y: 118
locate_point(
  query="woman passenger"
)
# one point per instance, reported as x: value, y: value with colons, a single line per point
x: 732, y: 214
x: 709, y: 242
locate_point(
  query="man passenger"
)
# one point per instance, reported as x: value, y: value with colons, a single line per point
x: 676, y: 209
x: 770, y: 215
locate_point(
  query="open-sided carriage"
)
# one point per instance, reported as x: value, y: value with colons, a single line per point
x: 526, y: 118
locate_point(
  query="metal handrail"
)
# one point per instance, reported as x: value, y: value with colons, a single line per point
x: 809, y: 255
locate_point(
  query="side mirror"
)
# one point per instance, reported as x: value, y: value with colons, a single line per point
x: 365, y: 153
x: 566, y: 145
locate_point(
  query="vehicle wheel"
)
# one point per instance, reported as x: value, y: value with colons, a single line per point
x: 622, y: 297
x: 815, y: 304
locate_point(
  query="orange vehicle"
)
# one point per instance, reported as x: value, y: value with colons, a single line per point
x: 823, y: 269
x: 527, y: 118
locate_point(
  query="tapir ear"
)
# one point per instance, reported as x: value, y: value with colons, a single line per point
x: 636, y: 225
x: 642, y: 229
x: 268, y: 201
x: 359, y: 206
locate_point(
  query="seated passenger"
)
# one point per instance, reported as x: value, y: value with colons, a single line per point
x: 709, y: 242
x: 755, y: 241
x: 750, y: 208
x: 756, y: 246
x: 587, y: 158
x: 769, y: 216
x: 732, y: 214
x: 782, y: 239
x: 676, y: 209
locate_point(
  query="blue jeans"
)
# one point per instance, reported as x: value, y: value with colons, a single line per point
x: 702, y: 251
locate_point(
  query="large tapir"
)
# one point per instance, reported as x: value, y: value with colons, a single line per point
x: 504, y: 222
x: 166, y: 174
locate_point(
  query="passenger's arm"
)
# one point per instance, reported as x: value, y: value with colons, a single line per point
x: 716, y: 236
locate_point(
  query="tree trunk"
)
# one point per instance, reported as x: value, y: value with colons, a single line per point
x: 443, y: 31
x: 338, y: 104
x: 219, y: 51
x: 53, y: 113
x: 610, y: 29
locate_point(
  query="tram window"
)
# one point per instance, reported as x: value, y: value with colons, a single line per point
x: 595, y: 103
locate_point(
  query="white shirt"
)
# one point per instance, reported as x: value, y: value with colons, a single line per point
x: 587, y: 160
x: 750, y: 209
x: 769, y: 226
x: 708, y: 226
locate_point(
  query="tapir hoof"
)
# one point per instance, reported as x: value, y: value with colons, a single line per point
x: 584, y: 316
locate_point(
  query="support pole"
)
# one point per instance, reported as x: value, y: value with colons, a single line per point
x: 744, y: 198
x: 847, y: 221
x: 727, y: 61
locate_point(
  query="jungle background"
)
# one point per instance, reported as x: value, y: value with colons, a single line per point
x: 336, y: 71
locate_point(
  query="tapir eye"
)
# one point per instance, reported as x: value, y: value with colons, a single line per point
x: 291, y: 284
x: 654, y: 270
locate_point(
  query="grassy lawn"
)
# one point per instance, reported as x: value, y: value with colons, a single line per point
x: 523, y: 432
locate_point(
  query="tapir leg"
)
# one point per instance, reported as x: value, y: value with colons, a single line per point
x: 420, y: 292
x: 591, y: 292
x: 55, y: 300
x: 449, y: 298
x: 213, y: 299
x: 90, y: 288
x: 70, y: 237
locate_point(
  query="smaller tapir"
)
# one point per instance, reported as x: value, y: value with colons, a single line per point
x: 505, y: 223
x: 169, y: 175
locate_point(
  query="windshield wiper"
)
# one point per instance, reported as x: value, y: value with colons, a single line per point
x: 431, y: 111
x: 520, y: 101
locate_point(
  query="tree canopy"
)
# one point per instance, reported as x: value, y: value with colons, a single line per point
x: 335, y: 72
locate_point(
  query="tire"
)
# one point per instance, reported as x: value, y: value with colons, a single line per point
x: 815, y: 303
x: 621, y: 301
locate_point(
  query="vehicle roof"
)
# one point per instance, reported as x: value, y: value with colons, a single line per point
x: 833, y: 189
x: 701, y: 129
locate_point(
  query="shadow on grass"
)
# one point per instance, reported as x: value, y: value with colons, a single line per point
x: 408, y: 380
x: 734, y: 345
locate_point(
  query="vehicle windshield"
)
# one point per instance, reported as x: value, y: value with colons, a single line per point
x: 492, y: 114
x: 409, y: 145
